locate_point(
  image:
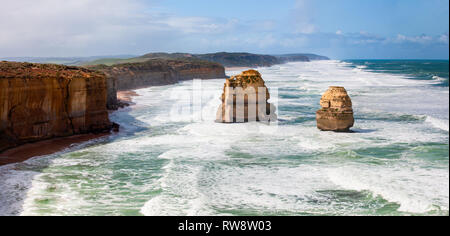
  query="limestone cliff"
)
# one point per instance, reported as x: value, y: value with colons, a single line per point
x: 244, y: 99
x: 112, y: 102
x: 336, y: 113
x: 160, y: 72
x: 156, y: 72
x: 39, y: 101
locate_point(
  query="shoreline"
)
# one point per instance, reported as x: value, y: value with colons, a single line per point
x: 43, y: 148
x: 50, y: 146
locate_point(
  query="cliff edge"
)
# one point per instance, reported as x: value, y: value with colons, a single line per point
x: 43, y: 101
x: 155, y: 72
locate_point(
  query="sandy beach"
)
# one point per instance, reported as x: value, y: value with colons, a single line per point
x: 47, y: 147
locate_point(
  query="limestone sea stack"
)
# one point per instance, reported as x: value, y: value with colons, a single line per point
x: 245, y: 99
x: 336, y: 113
x: 39, y: 101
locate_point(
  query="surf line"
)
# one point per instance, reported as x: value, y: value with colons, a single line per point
x: 189, y: 226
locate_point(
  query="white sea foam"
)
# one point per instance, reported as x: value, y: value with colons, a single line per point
x: 360, y: 68
x: 199, y: 167
x: 250, y: 187
x: 438, y: 123
x: 417, y: 190
x: 13, y: 187
x: 440, y: 79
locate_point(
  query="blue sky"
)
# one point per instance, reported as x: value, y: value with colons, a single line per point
x: 389, y: 17
x: 340, y: 29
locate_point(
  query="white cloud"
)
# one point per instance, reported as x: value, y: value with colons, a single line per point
x: 303, y: 19
x: 422, y: 39
x: 444, y: 38
x: 80, y: 27
x: 29, y: 25
x: 98, y: 27
x: 364, y: 37
x: 191, y: 24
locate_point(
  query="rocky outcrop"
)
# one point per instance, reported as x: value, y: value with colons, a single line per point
x: 244, y: 99
x: 336, y: 113
x: 156, y: 72
x: 40, y: 101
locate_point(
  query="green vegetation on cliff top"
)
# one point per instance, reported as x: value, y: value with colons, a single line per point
x: 224, y: 58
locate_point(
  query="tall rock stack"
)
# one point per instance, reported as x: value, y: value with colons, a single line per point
x: 336, y: 113
x: 244, y: 99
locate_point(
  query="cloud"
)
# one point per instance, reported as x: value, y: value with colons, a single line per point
x: 368, y: 45
x: 444, y: 38
x: 303, y: 18
x: 364, y: 37
x: 192, y: 24
x: 80, y: 27
x: 30, y: 26
x: 91, y: 27
x: 421, y: 39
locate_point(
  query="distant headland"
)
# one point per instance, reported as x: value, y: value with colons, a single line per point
x: 227, y: 59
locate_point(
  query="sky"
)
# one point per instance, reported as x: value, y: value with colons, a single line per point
x: 339, y: 29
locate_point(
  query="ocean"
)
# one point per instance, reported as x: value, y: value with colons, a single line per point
x: 169, y: 159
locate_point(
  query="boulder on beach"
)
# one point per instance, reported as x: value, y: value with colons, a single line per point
x: 245, y: 99
x: 336, y: 113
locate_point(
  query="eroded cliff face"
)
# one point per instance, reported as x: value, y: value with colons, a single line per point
x: 245, y: 99
x: 336, y: 113
x: 157, y: 72
x: 111, y: 93
x: 40, y: 101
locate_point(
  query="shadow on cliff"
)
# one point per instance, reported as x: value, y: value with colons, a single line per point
x: 16, y: 180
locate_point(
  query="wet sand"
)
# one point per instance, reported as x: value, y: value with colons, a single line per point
x: 42, y: 148
x: 47, y: 147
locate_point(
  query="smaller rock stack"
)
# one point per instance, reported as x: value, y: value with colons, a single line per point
x: 244, y: 99
x: 336, y: 113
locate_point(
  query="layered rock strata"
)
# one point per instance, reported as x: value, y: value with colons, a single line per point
x: 39, y: 101
x: 336, y: 113
x: 155, y: 72
x: 245, y: 99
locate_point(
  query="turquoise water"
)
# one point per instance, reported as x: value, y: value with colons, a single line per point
x: 432, y: 70
x: 171, y: 160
